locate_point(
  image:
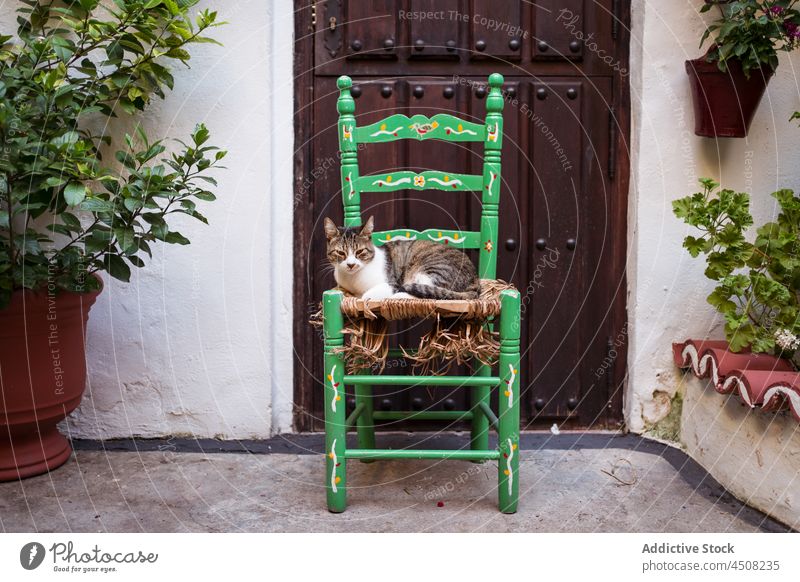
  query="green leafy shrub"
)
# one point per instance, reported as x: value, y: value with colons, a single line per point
x: 759, y: 282
x: 65, y: 212
x: 752, y: 32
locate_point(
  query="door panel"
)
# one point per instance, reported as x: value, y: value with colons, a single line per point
x: 496, y: 29
x: 555, y: 284
x: 370, y: 29
x: 435, y: 35
x: 602, y: 336
x: 561, y: 229
x: 558, y: 26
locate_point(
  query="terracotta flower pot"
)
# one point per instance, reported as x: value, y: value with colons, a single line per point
x: 725, y: 103
x: 42, y: 377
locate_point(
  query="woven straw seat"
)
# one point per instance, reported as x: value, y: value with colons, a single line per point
x: 485, y: 306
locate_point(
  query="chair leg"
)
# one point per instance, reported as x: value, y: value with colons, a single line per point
x: 335, y: 420
x: 365, y: 425
x: 508, y: 410
x: 479, y: 440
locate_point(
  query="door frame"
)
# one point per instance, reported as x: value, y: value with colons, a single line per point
x: 303, y: 161
x: 303, y: 337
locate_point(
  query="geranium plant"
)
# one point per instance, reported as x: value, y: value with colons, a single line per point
x: 759, y: 281
x: 752, y: 32
x: 65, y: 210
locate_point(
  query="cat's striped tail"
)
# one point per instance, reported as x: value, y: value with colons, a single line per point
x: 436, y: 292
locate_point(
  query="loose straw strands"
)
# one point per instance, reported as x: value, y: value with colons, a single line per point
x: 460, y: 332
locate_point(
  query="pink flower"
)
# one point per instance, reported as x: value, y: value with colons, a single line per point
x: 776, y: 9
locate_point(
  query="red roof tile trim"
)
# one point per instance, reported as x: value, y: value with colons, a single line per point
x: 760, y: 380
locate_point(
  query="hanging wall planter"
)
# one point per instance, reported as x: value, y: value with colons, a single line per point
x: 42, y: 377
x: 729, y: 80
x: 725, y: 102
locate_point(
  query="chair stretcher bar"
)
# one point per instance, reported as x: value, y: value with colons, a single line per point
x: 466, y: 455
x: 423, y: 415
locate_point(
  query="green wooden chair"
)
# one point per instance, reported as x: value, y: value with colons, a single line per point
x: 506, y: 379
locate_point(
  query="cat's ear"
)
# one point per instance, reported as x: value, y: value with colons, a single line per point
x: 368, y: 227
x: 330, y: 229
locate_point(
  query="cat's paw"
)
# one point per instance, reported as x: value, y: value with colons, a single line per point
x: 378, y: 292
x: 401, y: 295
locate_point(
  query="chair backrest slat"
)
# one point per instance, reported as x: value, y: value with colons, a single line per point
x: 441, y: 126
x: 429, y: 180
x: 460, y: 239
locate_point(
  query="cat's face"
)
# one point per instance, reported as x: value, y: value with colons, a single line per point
x: 349, y: 249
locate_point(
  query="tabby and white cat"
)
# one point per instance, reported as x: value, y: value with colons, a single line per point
x: 399, y: 269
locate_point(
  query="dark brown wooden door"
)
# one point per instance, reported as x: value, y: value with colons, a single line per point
x: 565, y: 168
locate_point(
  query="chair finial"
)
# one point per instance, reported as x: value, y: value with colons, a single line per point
x: 496, y: 80
x: 345, y: 104
x: 494, y: 102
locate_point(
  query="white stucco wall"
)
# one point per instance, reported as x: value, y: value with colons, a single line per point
x: 199, y: 343
x: 667, y: 288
